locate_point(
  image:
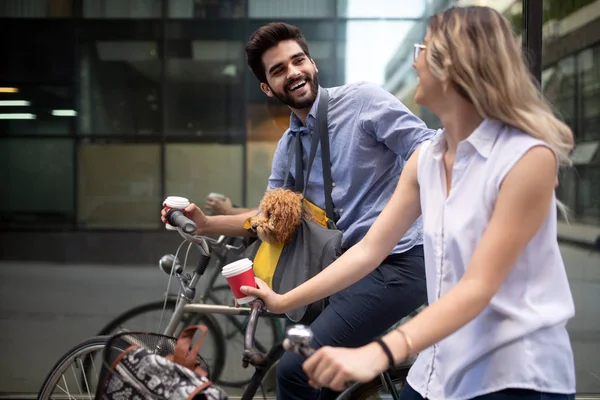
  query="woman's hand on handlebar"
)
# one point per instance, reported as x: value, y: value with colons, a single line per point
x: 336, y: 367
x: 273, y: 301
x: 193, y: 212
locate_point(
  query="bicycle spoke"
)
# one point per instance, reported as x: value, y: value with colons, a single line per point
x: 87, y: 386
x: 67, y: 390
x: 94, y: 367
x: 75, y: 377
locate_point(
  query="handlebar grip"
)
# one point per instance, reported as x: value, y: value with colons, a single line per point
x: 202, y: 264
x: 177, y: 218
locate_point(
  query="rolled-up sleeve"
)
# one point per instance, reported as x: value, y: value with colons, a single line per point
x: 391, y: 122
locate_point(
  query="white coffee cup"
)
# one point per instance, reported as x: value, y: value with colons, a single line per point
x: 175, y: 202
x: 237, y: 275
x: 217, y: 196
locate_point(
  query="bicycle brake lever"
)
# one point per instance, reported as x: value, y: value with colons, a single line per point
x: 204, y: 247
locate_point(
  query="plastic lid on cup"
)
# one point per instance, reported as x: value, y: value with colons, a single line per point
x: 177, y: 202
x: 237, y: 267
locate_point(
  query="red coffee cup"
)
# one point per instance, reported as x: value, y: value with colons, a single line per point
x: 239, y: 273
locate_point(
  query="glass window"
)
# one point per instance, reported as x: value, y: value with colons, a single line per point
x: 38, y: 110
x: 119, y: 186
x: 259, y: 159
x: 122, y: 9
x: 588, y: 192
x: 205, y: 87
x: 589, y: 90
x: 281, y: 9
x: 207, y: 9
x: 558, y: 84
x: 39, y: 174
x: 267, y: 121
x: 120, y: 79
x: 37, y: 95
x: 36, y: 9
x: 195, y: 170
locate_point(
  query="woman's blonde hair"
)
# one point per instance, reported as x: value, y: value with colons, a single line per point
x: 474, y: 49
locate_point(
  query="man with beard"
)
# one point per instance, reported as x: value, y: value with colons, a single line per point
x: 371, y: 135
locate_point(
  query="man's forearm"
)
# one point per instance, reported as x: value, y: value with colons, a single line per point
x: 240, y: 210
x: 230, y: 225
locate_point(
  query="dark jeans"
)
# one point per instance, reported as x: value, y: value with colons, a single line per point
x: 357, y: 315
x: 408, y: 393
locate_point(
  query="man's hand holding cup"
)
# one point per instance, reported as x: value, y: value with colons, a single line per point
x: 190, y: 210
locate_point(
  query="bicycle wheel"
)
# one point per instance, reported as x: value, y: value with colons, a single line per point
x: 376, y: 389
x: 147, y: 318
x: 269, y: 331
x: 69, y: 379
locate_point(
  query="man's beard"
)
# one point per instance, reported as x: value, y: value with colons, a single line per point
x: 287, y: 99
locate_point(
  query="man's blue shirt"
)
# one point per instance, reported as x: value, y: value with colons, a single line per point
x: 371, y: 135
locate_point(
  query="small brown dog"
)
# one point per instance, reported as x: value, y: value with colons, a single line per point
x: 281, y: 214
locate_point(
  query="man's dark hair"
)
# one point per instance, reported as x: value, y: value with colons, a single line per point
x: 269, y: 36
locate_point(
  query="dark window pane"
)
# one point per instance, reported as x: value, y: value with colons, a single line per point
x: 269, y: 9
x: 38, y: 177
x: 207, y: 9
x: 38, y: 52
x: 588, y: 195
x: 37, y: 110
x: 558, y: 84
x: 39, y: 69
x: 122, y: 9
x: 205, y: 86
x: 119, y: 185
x: 36, y: 9
x: 589, y: 87
x: 120, y: 79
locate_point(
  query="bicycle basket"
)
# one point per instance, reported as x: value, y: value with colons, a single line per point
x: 148, y: 366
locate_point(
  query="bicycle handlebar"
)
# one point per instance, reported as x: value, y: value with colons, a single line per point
x: 298, y: 338
x: 251, y: 354
x: 177, y: 218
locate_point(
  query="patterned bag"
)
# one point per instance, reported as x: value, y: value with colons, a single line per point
x: 156, y: 367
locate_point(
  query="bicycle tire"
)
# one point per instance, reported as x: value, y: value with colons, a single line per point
x: 214, y: 329
x: 83, y: 348
x: 275, y: 333
x: 371, y: 390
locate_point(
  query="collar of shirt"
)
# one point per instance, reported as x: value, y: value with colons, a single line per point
x: 297, y: 126
x: 481, y: 140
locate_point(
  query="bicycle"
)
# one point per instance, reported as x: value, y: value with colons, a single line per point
x: 261, y: 360
x: 226, y: 330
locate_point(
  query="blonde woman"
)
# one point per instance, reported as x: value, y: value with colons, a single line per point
x: 497, y: 287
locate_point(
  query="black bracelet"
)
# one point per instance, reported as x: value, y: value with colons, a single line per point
x: 387, y: 352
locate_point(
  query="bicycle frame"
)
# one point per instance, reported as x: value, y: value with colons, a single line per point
x: 260, y: 361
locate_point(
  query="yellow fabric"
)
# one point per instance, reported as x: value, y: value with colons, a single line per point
x: 267, y: 256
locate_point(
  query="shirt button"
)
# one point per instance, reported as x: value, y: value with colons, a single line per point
x: 333, y: 184
x: 341, y: 210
